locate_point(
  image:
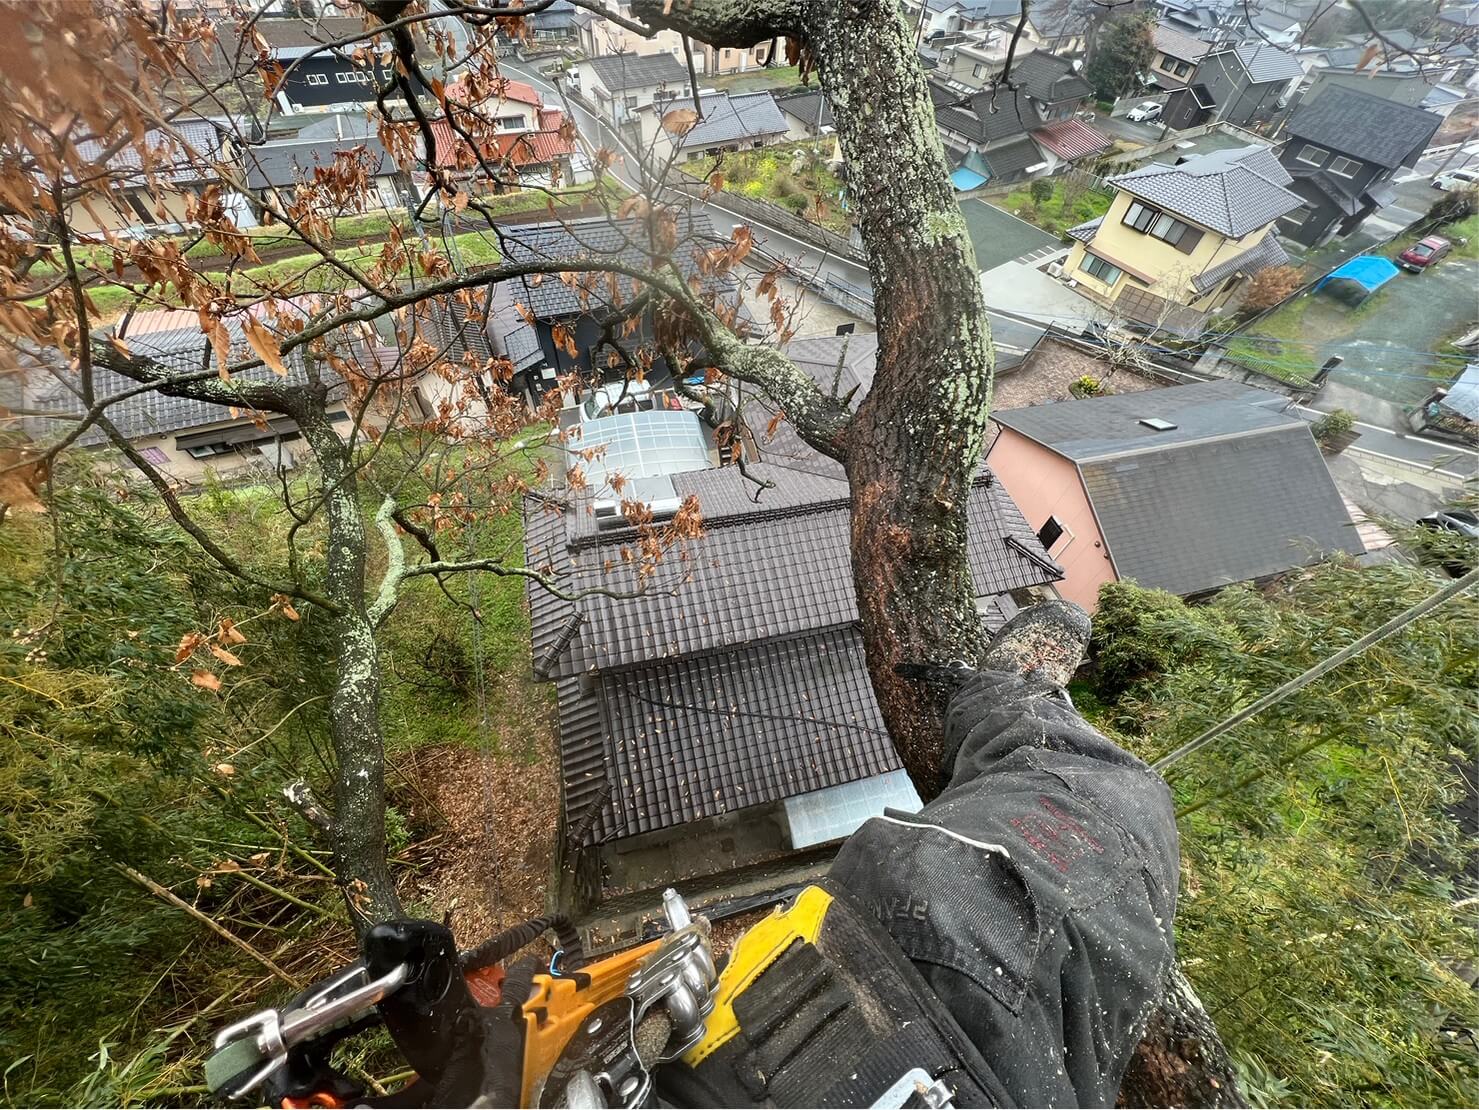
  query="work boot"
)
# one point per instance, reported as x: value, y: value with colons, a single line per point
x: 1044, y: 642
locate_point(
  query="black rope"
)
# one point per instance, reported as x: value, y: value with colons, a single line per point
x: 502, y: 945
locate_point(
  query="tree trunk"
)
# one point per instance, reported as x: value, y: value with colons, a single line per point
x: 917, y: 437
x: 354, y: 707
x: 1181, y: 1060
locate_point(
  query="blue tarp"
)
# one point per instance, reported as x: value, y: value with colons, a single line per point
x: 1368, y: 271
x: 965, y: 180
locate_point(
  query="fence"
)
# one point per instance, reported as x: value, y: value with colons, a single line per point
x: 770, y: 215
x: 847, y: 296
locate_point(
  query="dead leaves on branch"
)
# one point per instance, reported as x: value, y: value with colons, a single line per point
x: 218, y: 643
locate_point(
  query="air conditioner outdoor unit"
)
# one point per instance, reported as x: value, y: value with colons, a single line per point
x: 1055, y: 269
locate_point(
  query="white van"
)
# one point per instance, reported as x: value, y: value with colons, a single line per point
x: 1450, y: 180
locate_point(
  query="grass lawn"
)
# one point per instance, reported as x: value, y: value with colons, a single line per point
x: 1059, y: 212
x: 779, y: 77
x: 813, y: 193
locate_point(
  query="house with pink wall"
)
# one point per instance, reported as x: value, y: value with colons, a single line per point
x: 1186, y: 489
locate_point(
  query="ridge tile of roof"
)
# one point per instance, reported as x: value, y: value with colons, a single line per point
x: 1232, y: 192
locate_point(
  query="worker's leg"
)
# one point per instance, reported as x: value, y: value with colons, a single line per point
x: 1036, y: 893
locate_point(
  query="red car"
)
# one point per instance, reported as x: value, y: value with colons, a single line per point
x: 1424, y: 253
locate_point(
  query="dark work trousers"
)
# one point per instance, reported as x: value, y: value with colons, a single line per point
x: 1035, y: 894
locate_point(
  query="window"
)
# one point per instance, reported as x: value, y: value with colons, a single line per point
x: 509, y: 123
x: 1345, y: 167
x: 662, y: 96
x: 1164, y: 227
x: 1312, y: 155
x: 631, y: 103
x: 1096, y: 267
x: 978, y: 70
x: 1051, y: 532
x: 154, y: 455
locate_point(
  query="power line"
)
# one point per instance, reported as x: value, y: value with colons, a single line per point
x: 1395, y: 625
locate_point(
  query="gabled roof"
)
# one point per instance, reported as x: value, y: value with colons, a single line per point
x: 595, y: 238
x: 1235, y: 491
x: 1230, y: 191
x: 1266, y: 63
x: 1070, y: 139
x: 811, y: 108
x: 731, y: 116
x: 1370, y: 128
x: 279, y: 165
x: 617, y: 72
x: 1012, y: 157
x: 1048, y: 78
x: 1178, y: 44
x: 986, y: 116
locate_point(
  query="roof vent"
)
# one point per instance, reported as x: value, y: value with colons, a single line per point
x: 1157, y: 423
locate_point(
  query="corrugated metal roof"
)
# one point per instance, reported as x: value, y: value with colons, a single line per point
x: 1071, y: 139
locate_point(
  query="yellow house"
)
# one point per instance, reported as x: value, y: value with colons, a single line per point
x: 1184, y: 236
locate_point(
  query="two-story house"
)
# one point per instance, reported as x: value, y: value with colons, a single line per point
x: 1177, y: 55
x: 1246, y: 85
x: 997, y: 129
x: 1183, y: 236
x: 1343, y: 150
x: 620, y: 84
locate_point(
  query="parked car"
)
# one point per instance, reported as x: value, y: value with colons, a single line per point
x: 1145, y: 111
x: 1449, y: 180
x: 1453, y: 554
x: 1424, y: 253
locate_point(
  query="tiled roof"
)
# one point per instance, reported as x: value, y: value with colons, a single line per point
x: 1049, y: 78
x: 1202, y: 515
x: 600, y: 239
x: 1266, y: 63
x: 617, y: 72
x: 155, y: 413
x: 283, y: 164
x: 812, y: 108
x: 192, y: 162
x: 777, y: 568
x: 1084, y: 232
x: 534, y: 148
x: 1363, y: 126
x: 1012, y: 157
x: 1260, y: 256
x: 1230, y: 191
x: 1178, y: 44
x: 719, y: 732
x: 738, y: 678
x: 819, y: 355
x: 729, y: 117
x: 1071, y: 139
x: 986, y: 116
x: 551, y: 119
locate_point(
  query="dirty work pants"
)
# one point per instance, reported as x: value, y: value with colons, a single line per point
x: 1035, y: 895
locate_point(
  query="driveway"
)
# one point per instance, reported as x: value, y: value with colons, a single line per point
x: 998, y: 236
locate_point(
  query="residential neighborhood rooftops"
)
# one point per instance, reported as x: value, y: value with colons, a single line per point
x: 1230, y: 191
x: 192, y: 161
x: 986, y: 116
x: 1371, y: 128
x: 634, y: 71
x: 727, y: 117
x: 1197, y: 486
